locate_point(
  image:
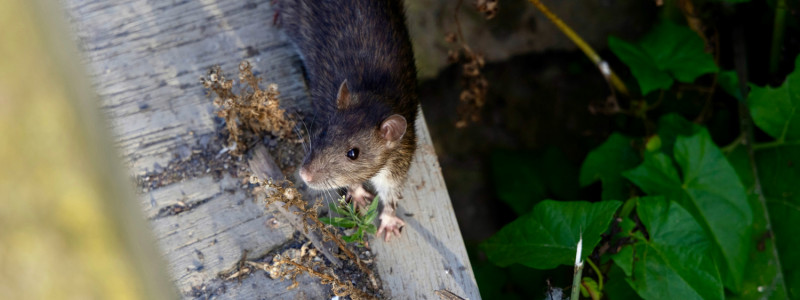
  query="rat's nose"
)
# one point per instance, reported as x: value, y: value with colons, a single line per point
x: 305, y: 174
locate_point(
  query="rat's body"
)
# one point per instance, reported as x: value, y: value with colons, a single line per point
x: 361, y: 74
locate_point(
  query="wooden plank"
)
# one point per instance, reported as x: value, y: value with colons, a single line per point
x: 145, y: 58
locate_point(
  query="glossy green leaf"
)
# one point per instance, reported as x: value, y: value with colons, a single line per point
x: 606, y: 163
x: 338, y: 222
x: 667, y: 52
x: 676, y: 261
x: 548, y: 236
x: 710, y: 190
x: 779, y: 171
x: 775, y: 110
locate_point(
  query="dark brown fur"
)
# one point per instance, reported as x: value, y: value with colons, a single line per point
x: 366, y: 43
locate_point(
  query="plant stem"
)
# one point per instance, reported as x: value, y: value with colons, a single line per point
x: 599, y: 274
x: 576, y: 282
x: 746, y: 125
x: 773, y: 144
x: 593, y: 56
x: 576, y: 279
x: 732, y: 146
x: 777, y: 35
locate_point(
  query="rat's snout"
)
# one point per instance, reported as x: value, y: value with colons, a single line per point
x: 305, y: 174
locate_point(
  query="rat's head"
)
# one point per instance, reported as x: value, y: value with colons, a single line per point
x: 355, y: 144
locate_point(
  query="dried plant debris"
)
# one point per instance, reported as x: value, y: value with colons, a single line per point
x: 354, y: 279
x: 474, y: 83
x: 293, y: 262
x: 252, y: 112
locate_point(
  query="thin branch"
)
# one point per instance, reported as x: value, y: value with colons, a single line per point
x: 601, y: 64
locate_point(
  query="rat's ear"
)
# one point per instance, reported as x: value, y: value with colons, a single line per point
x: 343, y: 99
x: 393, y: 128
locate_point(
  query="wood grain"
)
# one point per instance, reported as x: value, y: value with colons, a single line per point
x: 145, y: 58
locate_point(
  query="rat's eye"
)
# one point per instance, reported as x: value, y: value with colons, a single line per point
x: 352, y: 154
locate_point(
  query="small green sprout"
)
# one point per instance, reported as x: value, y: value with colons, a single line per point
x: 351, y: 218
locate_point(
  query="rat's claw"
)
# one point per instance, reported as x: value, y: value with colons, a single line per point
x: 390, y: 224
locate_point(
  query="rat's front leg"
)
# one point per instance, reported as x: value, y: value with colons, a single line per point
x: 360, y: 196
x: 389, y: 192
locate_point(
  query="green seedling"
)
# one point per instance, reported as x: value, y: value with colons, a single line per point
x: 351, y: 219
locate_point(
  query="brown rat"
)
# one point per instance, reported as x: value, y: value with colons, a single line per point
x: 360, y: 70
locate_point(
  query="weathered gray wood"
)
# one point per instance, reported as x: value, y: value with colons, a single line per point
x: 145, y: 58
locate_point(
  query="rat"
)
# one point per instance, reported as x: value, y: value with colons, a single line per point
x: 360, y: 71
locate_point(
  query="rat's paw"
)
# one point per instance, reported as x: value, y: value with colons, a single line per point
x: 390, y: 224
x: 360, y: 196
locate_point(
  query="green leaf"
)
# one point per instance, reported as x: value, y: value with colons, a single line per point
x: 372, y: 210
x: 676, y: 262
x: 370, y: 228
x: 517, y: 179
x: 332, y: 206
x: 355, y: 237
x: 740, y: 162
x: 624, y: 260
x: 762, y: 272
x: 710, y: 190
x: 667, y: 52
x: 338, y: 222
x: 657, y: 175
x: 729, y: 82
x: 590, y: 289
x: 647, y: 73
x: 780, y: 174
x: 616, y: 286
x: 626, y: 227
x: 548, y: 236
x: 670, y: 127
x: 774, y: 110
x: 606, y: 163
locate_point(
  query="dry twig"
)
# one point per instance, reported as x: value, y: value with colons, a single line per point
x: 252, y: 110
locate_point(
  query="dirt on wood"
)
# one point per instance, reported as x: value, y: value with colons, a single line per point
x: 250, y: 119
